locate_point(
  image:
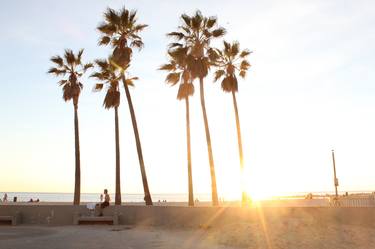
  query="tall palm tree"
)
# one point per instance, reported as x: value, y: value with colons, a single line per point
x: 229, y: 62
x: 71, y: 68
x: 179, y: 72
x: 120, y: 30
x: 196, y: 33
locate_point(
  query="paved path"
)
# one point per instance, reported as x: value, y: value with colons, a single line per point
x: 101, y: 237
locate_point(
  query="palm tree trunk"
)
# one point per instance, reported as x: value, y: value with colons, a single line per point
x: 190, y: 176
x: 147, y: 197
x: 118, y: 182
x: 215, y: 200
x: 77, y: 185
x: 244, y: 196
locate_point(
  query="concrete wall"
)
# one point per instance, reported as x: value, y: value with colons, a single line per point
x: 190, y: 217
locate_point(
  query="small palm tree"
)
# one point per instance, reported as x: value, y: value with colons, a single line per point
x: 120, y: 30
x: 107, y: 76
x: 179, y: 72
x: 229, y: 62
x: 196, y: 33
x: 71, y: 68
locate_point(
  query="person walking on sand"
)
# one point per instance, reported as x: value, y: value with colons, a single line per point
x: 5, y: 198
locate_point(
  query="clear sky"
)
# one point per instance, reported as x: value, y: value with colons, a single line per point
x: 311, y: 88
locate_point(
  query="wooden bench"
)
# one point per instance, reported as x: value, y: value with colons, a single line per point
x: 10, y: 219
x: 95, y: 220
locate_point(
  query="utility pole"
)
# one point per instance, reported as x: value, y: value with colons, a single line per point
x: 336, y: 181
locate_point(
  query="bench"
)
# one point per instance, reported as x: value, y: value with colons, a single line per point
x: 95, y: 220
x: 10, y: 219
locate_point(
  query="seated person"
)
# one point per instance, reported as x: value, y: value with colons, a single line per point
x: 105, y: 203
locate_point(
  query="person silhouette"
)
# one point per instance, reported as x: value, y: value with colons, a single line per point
x: 104, y: 204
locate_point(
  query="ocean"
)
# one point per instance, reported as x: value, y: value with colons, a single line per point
x: 95, y: 197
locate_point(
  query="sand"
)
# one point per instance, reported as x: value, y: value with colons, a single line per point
x: 106, y: 237
x: 275, y: 233
x: 293, y: 233
x: 170, y: 227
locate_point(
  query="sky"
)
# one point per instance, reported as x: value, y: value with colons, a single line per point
x: 310, y: 89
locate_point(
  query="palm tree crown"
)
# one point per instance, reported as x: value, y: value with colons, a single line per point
x: 71, y: 66
x: 230, y: 61
x: 120, y: 29
x: 178, y: 72
x: 197, y: 32
x: 107, y: 76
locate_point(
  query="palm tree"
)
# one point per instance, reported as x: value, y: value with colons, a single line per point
x: 107, y: 76
x: 229, y: 62
x: 71, y: 68
x: 120, y: 30
x: 178, y: 72
x: 196, y: 33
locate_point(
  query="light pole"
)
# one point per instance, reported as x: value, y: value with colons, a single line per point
x: 336, y: 181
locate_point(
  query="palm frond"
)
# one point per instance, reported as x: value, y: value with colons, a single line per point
x: 229, y: 84
x: 58, y: 60
x: 245, y: 53
x: 129, y: 82
x: 102, y: 64
x: 69, y: 56
x: 197, y: 20
x: 243, y: 73
x: 111, y: 99
x: 176, y: 35
x: 226, y: 47
x: 104, y: 40
x: 174, y: 45
x: 173, y: 78
x: 107, y: 28
x: 87, y: 66
x: 56, y: 71
x: 139, y: 27
x: 132, y: 15
x: 79, y: 56
x: 186, y: 19
x: 98, y: 87
x: 97, y: 75
x: 186, y: 29
x: 235, y: 49
x: 211, y: 21
x: 244, y: 65
x: 111, y: 16
x: 185, y: 90
x: 213, y: 55
x: 167, y: 67
x: 218, y: 74
x: 124, y: 16
x: 219, y: 32
x: 137, y: 44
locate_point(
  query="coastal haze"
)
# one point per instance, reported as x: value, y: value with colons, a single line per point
x: 310, y: 89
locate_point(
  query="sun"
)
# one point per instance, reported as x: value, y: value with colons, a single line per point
x: 259, y: 195
x: 256, y: 188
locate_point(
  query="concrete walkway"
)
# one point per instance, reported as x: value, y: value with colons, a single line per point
x: 101, y: 237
